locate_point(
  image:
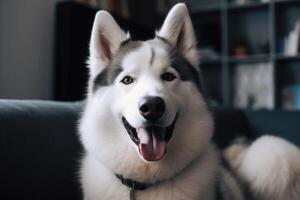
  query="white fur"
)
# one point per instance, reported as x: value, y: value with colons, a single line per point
x: 194, y: 183
x: 270, y: 165
x: 110, y: 150
x: 190, y: 168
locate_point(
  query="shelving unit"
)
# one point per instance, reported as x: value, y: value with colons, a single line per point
x: 221, y: 26
x: 263, y: 25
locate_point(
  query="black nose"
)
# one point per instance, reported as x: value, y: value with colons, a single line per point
x: 152, y: 108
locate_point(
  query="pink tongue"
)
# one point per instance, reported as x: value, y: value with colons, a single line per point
x: 152, y: 146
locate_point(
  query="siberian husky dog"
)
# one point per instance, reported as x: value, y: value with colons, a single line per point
x: 146, y: 128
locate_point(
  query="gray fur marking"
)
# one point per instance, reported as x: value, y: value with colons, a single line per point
x: 108, y: 75
x: 152, y: 56
x: 186, y: 70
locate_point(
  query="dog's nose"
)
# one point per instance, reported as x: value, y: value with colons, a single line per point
x: 152, y: 108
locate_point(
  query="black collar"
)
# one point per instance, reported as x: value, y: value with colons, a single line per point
x: 132, y: 184
x: 135, y: 185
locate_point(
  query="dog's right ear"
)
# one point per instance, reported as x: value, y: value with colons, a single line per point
x: 106, y: 39
x: 178, y: 30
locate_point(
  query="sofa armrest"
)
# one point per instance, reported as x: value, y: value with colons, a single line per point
x: 39, y: 150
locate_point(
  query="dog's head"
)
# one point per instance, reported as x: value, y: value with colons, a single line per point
x: 145, y: 116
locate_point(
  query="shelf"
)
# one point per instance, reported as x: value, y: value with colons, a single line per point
x: 282, y: 57
x: 249, y: 59
x: 259, y: 27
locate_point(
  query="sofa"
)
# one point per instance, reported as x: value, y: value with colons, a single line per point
x: 40, y: 150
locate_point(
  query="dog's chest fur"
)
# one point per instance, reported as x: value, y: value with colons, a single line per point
x: 194, y: 182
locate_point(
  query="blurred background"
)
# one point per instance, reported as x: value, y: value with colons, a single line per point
x: 249, y: 49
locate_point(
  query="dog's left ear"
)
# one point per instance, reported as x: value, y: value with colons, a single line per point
x: 106, y: 39
x: 178, y: 30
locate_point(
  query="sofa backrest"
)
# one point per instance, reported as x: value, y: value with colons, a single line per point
x: 281, y: 123
x: 230, y: 124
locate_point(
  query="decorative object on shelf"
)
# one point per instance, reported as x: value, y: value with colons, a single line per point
x: 240, y: 52
x: 291, y: 97
x: 291, y: 42
x: 240, y: 49
x: 254, y: 86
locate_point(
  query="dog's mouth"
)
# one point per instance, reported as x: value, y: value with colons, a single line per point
x: 152, y: 140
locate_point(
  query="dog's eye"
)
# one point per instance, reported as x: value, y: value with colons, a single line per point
x: 127, y: 80
x: 167, y: 76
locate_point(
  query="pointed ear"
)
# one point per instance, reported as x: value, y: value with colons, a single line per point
x: 178, y: 30
x: 106, y: 38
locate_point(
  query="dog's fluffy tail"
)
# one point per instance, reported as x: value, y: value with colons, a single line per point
x: 270, y: 165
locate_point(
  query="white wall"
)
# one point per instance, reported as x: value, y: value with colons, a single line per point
x: 27, y: 48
